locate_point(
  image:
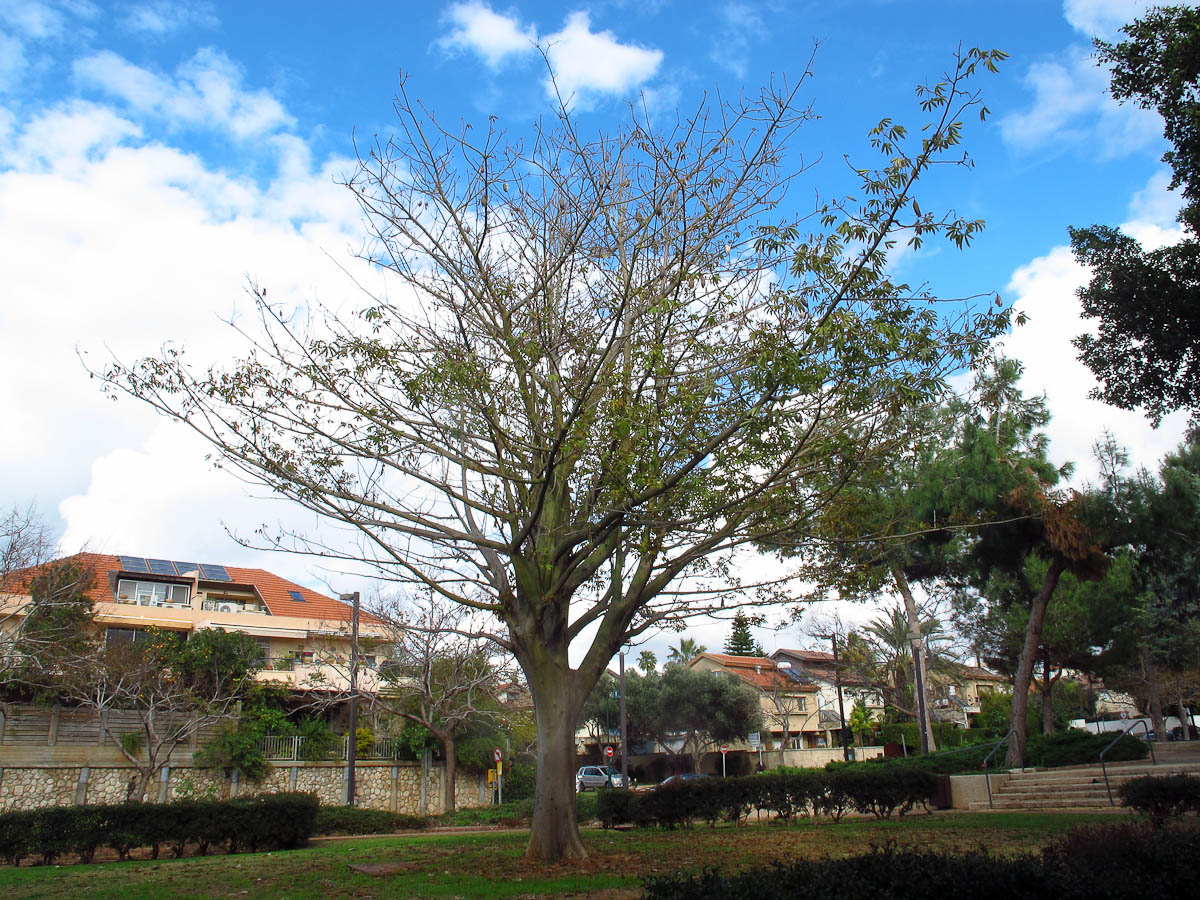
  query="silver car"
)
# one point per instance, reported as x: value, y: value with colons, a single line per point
x: 589, y: 778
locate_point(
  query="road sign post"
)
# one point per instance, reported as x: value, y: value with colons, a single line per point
x: 724, y: 752
x: 498, y: 756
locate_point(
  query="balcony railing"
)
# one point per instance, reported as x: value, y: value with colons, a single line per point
x: 279, y: 749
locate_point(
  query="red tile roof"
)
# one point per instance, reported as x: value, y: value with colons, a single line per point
x: 757, y: 671
x: 270, y: 587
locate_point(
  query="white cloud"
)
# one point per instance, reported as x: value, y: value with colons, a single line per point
x: 1071, y: 106
x: 585, y: 62
x: 126, y: 245
x: 1045, y: 290
x: 1103, y: 18
x: 63, y: 138
x: 39, y: 19
x: 740, y: 27
x: 205, y: 92
x: 493, y: 36
x: 162, y: 17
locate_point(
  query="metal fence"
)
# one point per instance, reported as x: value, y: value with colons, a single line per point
x: 278, y: 748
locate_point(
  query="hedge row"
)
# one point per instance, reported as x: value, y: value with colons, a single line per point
x: 355, y: 820
x: 270, y: 822
x: 1089, y: 864
x: 1162, y: 797
x: 880, y: 791
x: 1064, y: 748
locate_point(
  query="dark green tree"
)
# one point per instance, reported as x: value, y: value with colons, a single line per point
x: 740, y: 641
x: 1146, y: 351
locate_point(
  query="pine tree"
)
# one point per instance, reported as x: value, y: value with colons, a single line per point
x: 741, y: 642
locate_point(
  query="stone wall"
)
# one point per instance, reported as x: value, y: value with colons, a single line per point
x: 378, y: 785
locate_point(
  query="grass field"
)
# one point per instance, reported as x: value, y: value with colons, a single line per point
x: 491, y: 864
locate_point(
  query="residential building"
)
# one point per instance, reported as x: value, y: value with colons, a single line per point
x: 838, y: 689
x: 305, y: 636
x: 790, y: 708
x: 955, y: 692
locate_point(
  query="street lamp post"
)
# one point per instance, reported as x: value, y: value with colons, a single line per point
x: 352, y: 741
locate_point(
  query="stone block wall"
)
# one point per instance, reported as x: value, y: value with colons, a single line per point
x: 378, y: 785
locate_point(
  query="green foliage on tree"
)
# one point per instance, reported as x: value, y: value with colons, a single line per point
x: 621, y: 349
x: 740, y: 641
x: 55, y: 630
x: 685, y: 651
x: 688, y: 711
x: 1146, y: 349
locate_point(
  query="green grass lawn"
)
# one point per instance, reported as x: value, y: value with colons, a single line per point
x: 491, y: 864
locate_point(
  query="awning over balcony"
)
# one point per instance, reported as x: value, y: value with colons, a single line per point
x: 255, y: 630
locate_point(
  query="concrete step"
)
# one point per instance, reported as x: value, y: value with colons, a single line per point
x: 1100, y: 802
x: 1074, y: 787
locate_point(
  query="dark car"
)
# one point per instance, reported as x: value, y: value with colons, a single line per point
x: 683, y: 779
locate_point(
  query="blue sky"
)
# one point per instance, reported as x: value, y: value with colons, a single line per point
x: 153, y: 156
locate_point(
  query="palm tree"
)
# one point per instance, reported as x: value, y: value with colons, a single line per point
x: 687, y: 650
x: 889, y: 637
x: 647, y: 661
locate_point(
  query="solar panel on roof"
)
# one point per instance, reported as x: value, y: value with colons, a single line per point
x: 161, y: 567
x: 296, y: 595
x: 184, y: 567
x: 214, y: 573
x: 133, y: 564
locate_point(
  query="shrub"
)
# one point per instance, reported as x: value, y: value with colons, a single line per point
x: 615, y: 806
x: 15, y: 832
x: 353, y: 820
x: 276, y: 821
x: 1162, y: 797
x: 1089, y: 864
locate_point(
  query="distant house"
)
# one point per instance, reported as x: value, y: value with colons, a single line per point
x: 304, y: 635
x: 817, y: 667
x: 790, y: 708
x: 954, y: 693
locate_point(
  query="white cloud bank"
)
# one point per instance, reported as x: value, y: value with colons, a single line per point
x: 116, y: 244
x: 585, y: 63
x: 1045, y: 289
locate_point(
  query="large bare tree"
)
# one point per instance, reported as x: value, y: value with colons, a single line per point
x: 603, y: 355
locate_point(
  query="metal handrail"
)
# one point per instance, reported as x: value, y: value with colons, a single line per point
x: 987, y: 779
x: 1104, y: 768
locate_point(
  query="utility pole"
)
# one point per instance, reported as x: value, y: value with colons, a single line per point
x: 837, y: 680
x: 624, y: 734
x: 352, y: 741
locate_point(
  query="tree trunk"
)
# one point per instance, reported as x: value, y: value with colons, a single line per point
x: 1154, y: 696
x: 920, y: 670
x: 448, y: 771
x: 1015, y: 758
x: 1047, y: 695
x: 554, y: 830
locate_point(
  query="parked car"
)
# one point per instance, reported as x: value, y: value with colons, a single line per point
x: 683, y: 779
x: 589, y: 778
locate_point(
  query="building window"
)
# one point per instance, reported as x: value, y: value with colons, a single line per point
x: 152, y: 593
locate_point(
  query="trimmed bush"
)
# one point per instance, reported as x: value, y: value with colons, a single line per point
x: 352, y: 820
x: 269, y: 822
x: 1162, y: 797
x: 788, y: 794
x: 1102, y: 863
